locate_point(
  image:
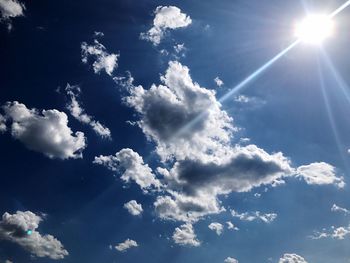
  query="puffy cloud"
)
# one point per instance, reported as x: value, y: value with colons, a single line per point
x: 335, y: 232
x: 127, y: 244
x: 217, y: 227
x: 253, y: 216
x: 102, y: 59
x: 292, y: 258
x: 134, y: 169
x: 20, y: 228
x: 320, y: 174
x: 44, y: 131
x: 230, y: 225
x: 185, y: 236
x: 2, y: 124
x: 218, y: 82
x: 336, y: 208
x: 230, y: 260
x: 169, y: 116
x: 10, y: 9
x: 133, y: 207
x: 166, y: 17
x: 79, y: 113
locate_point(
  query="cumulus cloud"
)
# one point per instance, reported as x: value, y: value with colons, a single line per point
x: 320, y: 174
x: 253, y: 216
x: 132, y: 167
x: 10, y: 9
x: 133, y: 207
x: 21, y: 228
x: 292, y: 258
x: 217, y: 227
x: 168, y: 108
x: 166, y: 17
x: 218, y: 82
x: 2, y: 124
x: 185, y: 236
x: 77, y: 111
x: 44, y: 131
x: 335, y: 232
x: 336, y: 208
x: 127, y: 244
x: 230, y: 260
x: 102, y: 59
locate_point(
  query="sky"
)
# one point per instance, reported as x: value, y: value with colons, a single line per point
x: 174, y: 131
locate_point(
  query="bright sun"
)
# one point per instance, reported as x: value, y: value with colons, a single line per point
x: 314, y: 29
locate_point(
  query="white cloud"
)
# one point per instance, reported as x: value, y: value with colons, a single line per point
x: 127, y: 244
x: 335, y: 232
x: 10, y: 9
x: 166, y: 17
x: 336, y: 208
x: 292, y: 258
x: 76, y: 110
x: 44, y: 131
x: 185, y: 236
x: 242, y: 99
x: 102, y: 59
x: 230, y: 225
x: 167, y: 109
x: 218, y: 82
x: 320, y: 174
x: 2, y: 124
x: 191, y: 130
x: 179, y: 48
x: 20, y: 228
x: 253, y: 216
x: 217, y: 227
x: 230, y: 260
x: 134, y: 169
x: 133, y: 207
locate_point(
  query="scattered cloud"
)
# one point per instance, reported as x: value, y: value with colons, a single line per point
x: 335, y: 232
x: 320, y: 174
x: 10, y: 9
x: 44, y: 131
x: 336, y: 208
x: 21, y: 228
x: 254, y: 216
x: 217, y: 227
x: 292, y: 258
x: 218, y: 82
x: 132, y: 167
x: 102, y: 59
x: 77, y: 111
x: 166, y: 17
x: 133, y: 207
x: 242, y: 99
x: 185, y: 236
x: 179, y: 48
x: 3, y: 127
x: 127, y: 244
x: 231, y: 226
x: 230, y: 260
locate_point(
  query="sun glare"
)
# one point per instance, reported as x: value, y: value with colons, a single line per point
x: 314, y: 29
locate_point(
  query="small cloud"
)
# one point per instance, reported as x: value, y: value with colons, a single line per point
x: 242, y: 99
x: 231, y: 226
x: 133, y: 207
x: 217, y: 227
x: 127, y: 244
x: 185, y: 236
x: 254, y: 216
x: 166, y: 17
x: 218, y: 82
x: 336, y: 208
x: 292, y: 258
x: 230, y: 260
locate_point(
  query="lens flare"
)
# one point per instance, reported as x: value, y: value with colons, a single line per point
x: 314, y: 29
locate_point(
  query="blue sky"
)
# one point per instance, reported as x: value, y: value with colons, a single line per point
x: 117, y: 144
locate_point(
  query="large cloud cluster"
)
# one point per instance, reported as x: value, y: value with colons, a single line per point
x: 21, y: 228
x: 44, y: 131
x: 166, y: 17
